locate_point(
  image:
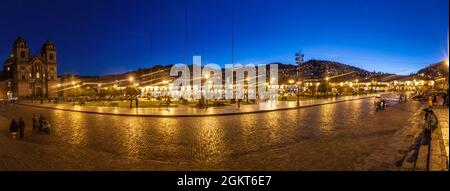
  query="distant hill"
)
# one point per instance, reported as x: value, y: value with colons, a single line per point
x: 322, y: 68
x: 310, y: 70
x: 140, y: 71
x: 335, y: 71
x: 432, y: 71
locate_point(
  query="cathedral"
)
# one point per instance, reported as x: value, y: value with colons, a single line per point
x: 26, y: 75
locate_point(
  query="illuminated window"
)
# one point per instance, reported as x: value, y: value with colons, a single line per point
x: 37, y: 75
x: 7, y: 68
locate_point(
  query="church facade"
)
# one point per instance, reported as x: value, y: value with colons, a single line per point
x: 28, y: 75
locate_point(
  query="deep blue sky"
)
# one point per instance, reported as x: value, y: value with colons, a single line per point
x: 112, y: 36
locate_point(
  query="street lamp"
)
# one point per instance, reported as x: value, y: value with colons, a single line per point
x: 298, y: 60
x: 58, y: 90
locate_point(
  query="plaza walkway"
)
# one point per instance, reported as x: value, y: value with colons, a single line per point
x: 343, y: 136
x: 189, y: 111
x: 442, y: 114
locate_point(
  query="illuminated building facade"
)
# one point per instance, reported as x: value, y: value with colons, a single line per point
x: 27, y: 75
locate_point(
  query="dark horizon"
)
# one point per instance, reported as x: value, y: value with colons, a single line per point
x: 113, y: 37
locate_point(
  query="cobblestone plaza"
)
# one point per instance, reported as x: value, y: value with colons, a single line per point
x: 341, y: 136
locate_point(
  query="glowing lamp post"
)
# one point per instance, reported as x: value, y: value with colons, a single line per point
x: 298, y: 60
x: 59, y: 89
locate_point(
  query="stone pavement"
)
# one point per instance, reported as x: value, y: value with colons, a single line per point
x: 396, y: 156
x: 343, y: 136
x: 186, y: 111
x: 431, y: 153
x: 443, y: 116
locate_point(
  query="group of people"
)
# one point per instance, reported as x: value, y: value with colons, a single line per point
x: 18, y: 127
x: 437, y: 99
x: 380, y: 103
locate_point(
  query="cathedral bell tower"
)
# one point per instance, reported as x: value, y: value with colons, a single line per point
x: 48, y: 51
x: 21, y: 51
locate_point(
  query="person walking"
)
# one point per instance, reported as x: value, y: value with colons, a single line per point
x: 430, y: 101
x: 168, y: 102
x: 35, y: 123
x: 434, y: 99
x: 21, y: 128
x: 13, y: 129
x: 444, y: 99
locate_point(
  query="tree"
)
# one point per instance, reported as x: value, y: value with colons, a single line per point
x: 324, y: 87
x: 341, y: 90
x: 132, y: 91
x: 89, y: 92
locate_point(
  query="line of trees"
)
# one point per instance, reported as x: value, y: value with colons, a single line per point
x: 129, y: 92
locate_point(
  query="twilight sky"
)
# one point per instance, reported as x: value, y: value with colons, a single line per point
x: 113, y: 36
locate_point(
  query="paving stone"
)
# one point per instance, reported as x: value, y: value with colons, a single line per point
x: 342, y: 136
